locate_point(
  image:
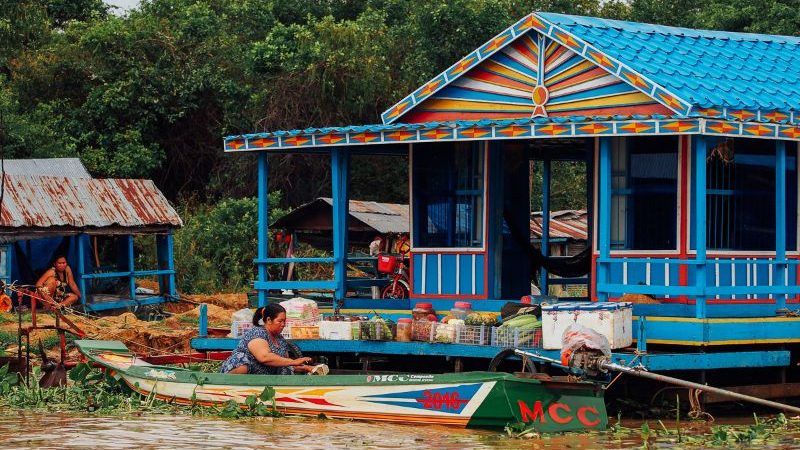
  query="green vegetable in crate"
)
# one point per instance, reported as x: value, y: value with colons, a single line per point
x: 518, y: 330
x: 377, y: 329
x: 481, y: 318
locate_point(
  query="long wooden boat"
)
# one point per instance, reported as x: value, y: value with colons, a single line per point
x: 469, y: 399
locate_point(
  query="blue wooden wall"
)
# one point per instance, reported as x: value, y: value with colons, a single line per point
x: 448, y: 274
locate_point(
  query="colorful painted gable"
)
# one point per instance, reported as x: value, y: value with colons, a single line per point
x: 691, y: 73
x: 534, y: 77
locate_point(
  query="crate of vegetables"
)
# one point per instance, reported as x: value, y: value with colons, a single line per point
x: 473, y: 335
x: 377, y: 329
x: 477, y: 328
x: 520, y: 331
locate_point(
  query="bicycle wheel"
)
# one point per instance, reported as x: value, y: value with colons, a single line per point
x: 394, y: 290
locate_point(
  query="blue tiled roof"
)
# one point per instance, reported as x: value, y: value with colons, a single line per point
x: 709, y: 69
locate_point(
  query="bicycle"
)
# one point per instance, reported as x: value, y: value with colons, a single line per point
x: 399, y: 287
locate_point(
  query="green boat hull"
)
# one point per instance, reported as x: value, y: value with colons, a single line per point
x: 470, y: 399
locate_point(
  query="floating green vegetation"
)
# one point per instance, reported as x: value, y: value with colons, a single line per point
x: 91, y: 390
x: 687, y: 434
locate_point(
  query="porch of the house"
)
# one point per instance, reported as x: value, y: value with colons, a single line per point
x: 721, y: 301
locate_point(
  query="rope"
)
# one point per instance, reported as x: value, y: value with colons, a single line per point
x: 630, y: 364
x: 87, y: 319
x: 696, y: 411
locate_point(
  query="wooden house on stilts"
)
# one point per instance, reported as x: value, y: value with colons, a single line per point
x: 690, y: 139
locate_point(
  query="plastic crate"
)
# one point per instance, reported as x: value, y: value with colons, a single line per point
x: 516, y: 337
x: 388, y: 263
x: 376, y: 331
x: 238, y: 327
x: 473, y: 335
x: 444, y: 333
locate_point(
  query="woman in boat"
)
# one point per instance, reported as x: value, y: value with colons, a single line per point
x: 57, y: 285
x: 262, y: 350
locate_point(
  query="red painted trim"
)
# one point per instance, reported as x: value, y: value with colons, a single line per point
x: 449, y: 252
x: 451, y: 296
x: 797, y: 280
x: 726, y: 301
x: 593, y: 275
x: 411, y: 273
x: 683, y: 243
x: 679, y: 301
x: 487, y: 182
x: 647, y: 109
x: 644, y: 255
x: 433, y: 116
x: 735, y: 256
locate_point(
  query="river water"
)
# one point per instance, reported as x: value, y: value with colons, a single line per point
x: 40, y: 430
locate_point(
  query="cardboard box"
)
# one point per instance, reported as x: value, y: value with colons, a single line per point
x: 305, y: 332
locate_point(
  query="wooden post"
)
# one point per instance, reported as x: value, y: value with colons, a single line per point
x: 340, y: 171
x: 131, y: 268
x: 780, y: 222
x: 82, y: 240
x: 263, y: 235
x: 699, y: 154
x: 604, y: 217
x: 543, y: 283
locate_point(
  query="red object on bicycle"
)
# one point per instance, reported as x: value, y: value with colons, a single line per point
x: 388, y: 263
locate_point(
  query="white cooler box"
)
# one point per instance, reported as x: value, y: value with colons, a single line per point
x: 336, y: 331
x: 611, y: 319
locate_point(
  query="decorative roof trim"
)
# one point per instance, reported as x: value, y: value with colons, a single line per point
x: 557, y: 34
x: 503, y: 130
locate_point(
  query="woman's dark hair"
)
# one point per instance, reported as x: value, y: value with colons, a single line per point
x: 270, y: 311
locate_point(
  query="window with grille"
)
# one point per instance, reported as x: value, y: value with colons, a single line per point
x: 644, y: 193
x: 740, y: 195
x: 448, y: 194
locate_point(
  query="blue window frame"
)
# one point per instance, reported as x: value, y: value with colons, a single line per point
x: 447, y: 192
x: 644, y: 193
x: 740, y: 195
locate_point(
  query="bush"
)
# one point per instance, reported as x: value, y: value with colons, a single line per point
x: 214, y: 250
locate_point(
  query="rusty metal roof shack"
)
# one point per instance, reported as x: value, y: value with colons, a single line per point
x: 49, y: 167
x: 44, y: 216
x: 34, y: 206
x: 313, y: 221
x: 567, y: 224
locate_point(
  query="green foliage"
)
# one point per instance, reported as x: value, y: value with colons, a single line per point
x: 214, y: 251
x: 7, y: 380
x: 7, y: 338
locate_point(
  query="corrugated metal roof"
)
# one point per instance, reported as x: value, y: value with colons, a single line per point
x: 708, y: 69
x: 569, y: 224
x: 44, y: 202
x: 49, y: 167
x: 383, y: 217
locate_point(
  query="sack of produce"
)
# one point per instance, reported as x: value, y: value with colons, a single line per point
x: 514, y: 308
x: 300, y: 308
